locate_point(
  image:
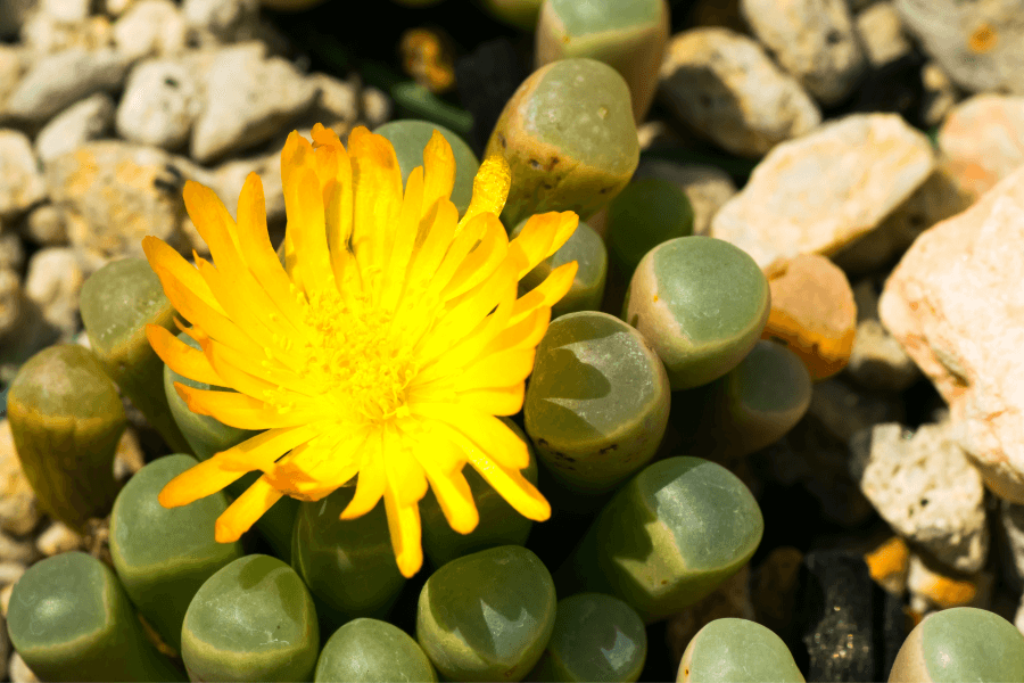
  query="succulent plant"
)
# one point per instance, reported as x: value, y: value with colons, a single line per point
x: 646, y: 213
x: 162, y: 556
x: 587, y: 249
x: 628, y: 35
x: 117, y: 303
x: 67, y: 419
x: 702, y: 304
x: 737, y: 650
x: 596, y: 638
x: 70, y: 620
x: 253, y: 620
x: 569, y: 137
x: 487, y: 616
x: 372, y: 651
x: 644, y: 547
x: 598, y: 401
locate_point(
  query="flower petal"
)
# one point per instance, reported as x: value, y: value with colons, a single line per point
x: 182, y: 358
x: 438, y: 171
x: 406, y: 533
x: 245, y: 412
x: 371, y: 483
x: 490, y: 188
x: 486, y: 431
x: 247, y: 508
x: 542, y: 236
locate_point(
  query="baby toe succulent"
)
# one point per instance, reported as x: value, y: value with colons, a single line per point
x: 587, y: 249
x: 372, y: 651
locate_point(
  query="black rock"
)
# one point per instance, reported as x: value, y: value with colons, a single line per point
x: 846, y: 627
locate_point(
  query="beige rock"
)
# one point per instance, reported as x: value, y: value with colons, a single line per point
x: 12, y: 254
x: 923, y: 485
x: 12, y: 62
x: 21, y: 183
x: 956, y: 304
x: 113, y: 194
x: 42, y: 34
x: 58, y: 538
x: 878, y: 362
x: 707, y: 187
x: 229, y: 177
x: 724, y: 85
x: 817, y: 194
x: 940, y: 94
x: 44, y: 225
x: 934, y: 587
x: 53, y: 283
x: 937, y: 198
x: 56, y: 81
x: 83, y: 121
x: 19, y: 671
x: 19, y: 509
x: 15, y: 550
x: 881, y: 32
x: 812, y: 39
x: 813, y: 312
x: 128, y: 458
x: 375, y: 107
x: 11, y: 572
x: 151, y: 27
x: 983, y: 139
x: 5, y: 598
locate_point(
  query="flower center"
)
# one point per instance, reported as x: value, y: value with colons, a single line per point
x: 357, y: 357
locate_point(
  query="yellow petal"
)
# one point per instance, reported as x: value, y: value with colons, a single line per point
x: 542, y: 236
x: 170, y: 266
x: 404, y: 526
x: 547, y: 293
x: 307, y: 229
x: 454, y: 497
x: 500, y: 369
x: 245, y: 412
x: 377, y: 182
x: 487, y: 432
x: 247, y: 508
x: 496, y: 400
x: 438, y: 171
x: 181, y: 357
x: 526, y: 333
x: 204, y: 479
x: 371, y: 483
x: 485, y: 258
x: 490, y: 188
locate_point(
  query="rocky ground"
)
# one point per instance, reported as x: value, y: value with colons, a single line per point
x: 821, y: 137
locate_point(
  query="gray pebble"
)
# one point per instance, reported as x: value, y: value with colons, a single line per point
x: 924, y: 486
x: 251, y: 99
x: 161, y: 102
x: 56, y: 81
x: 724, y: 85
x: 21, y: 183
x: 976, y: 43
x: 814, y: 40
x: 87, y: 119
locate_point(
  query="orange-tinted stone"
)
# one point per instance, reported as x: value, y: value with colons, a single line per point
x: 813, y: 312
x: 888, y: 564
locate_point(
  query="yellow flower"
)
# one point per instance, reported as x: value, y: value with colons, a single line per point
x: 384, y: 348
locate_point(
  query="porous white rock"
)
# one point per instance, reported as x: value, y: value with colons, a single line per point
x: 160, y: 103
x: 85, y: 120
x: 54, y: 82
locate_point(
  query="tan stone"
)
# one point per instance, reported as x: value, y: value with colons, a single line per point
x: 983, y: 139
x: 813, y: 312
x: 933, y: 586
x: 19, y: 509
x: 888, y: 563
x: 820, y: 192
x: 956, y: 304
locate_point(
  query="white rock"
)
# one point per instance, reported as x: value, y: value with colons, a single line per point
x: 337, y: 100
x: 53, y: 283
x: 44, y: 225
x: 814, y: 40
x: 250, y: 99
x: 816, y: 194
x: 981, y: 138
x: 56, y: 81
x: 161, y: 102
x: 924, y: 486
x: 58, y: 538
x: 19, y: 671
x: 222, y: 20
x: 723, y: 85
x: 87, y: 119
x: 977, y: 43
x: 113, y: 194
x: 21, y: 183
x: 151, y: 27
x: 933, y: 586
x: 11, y: 572
x: 878, y: 362
x: 13, y: 550
x: 940, y: 94
x: 956, y: 304
x: 67, y: 11
x: 10, y: 301
x: 881, y: 32
x: 707, y: 187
